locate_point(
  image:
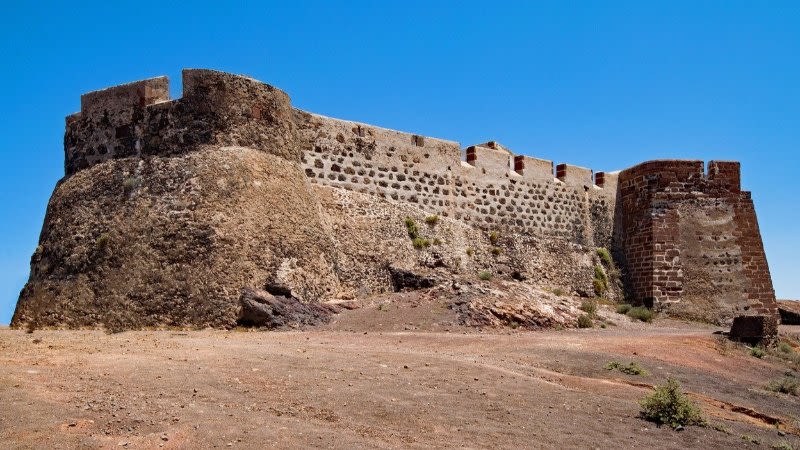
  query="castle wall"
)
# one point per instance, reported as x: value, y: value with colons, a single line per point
x: 689, y: 241
x: 483, y: 191
x: 493, y: 189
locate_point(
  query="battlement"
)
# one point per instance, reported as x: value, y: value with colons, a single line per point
x: 490, y: 157
x: 533, y: 168
x: 659, y: 174
x: 726, y: 174
x: 140, y: 118
x: 606, y: 180
x: 126, y: 96
x: 495, y: 159
x: 574, y: 175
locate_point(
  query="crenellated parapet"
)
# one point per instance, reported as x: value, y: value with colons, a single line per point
x: 574, y: 175
x: 533, y: 169
x: 139, y: 119
x: 125, y: 98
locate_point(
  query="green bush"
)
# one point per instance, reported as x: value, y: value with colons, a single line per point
x: 496, y: 251
x: 589, y: 307
x: 785, y: 351
x: 131, y: 183
x: 470, y: 251
x: 432, y: 220
x: 633, y: 368
x: 103, y: 241
x: 419, y: 242
x: 412, y: 228
x: 600, y: 274
x: 785, y: 385
x: 485, y: 275
x: 640, y: 313
x: 669, y: 405
x: 584, y: 321
x: 758, y: 352
x: 605, y: 256
x: 437, y: 241
x: 494, y: 237
x: 559, y: 292
x: 623, y: 308
x: 600, y: 281
x: 599, y: 287
x: 782, y: 445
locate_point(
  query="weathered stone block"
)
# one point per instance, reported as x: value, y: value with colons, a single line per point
x: 754, y: 329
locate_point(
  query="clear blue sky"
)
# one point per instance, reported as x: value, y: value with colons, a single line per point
x: 599, y: 84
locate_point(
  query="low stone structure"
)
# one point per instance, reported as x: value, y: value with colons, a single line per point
x: 755, y: 329
x: 169, y: 208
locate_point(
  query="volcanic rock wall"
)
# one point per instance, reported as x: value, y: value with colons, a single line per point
x: 169, y: 208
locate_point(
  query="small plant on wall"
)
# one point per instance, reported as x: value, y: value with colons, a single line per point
x: 412, y: 228
x: 600, y: 281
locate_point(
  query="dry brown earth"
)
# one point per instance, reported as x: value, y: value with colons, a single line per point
x: 407, y: 382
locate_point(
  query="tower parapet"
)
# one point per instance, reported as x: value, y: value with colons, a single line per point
x: 126, y: 97
x: 138, y: 119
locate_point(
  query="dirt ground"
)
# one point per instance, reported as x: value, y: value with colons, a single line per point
x: 383, y: 377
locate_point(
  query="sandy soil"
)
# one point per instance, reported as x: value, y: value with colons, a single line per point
x: 413, y: 384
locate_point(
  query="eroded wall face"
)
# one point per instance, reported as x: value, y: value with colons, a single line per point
x: 690, y: 241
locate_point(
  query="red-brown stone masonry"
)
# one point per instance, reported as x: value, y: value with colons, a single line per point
x: 667, y: 276
x: 600, y: 179
x: 650, y: 197
x: 519, y: 164
x: 725, y: 174
x: 754, y: 261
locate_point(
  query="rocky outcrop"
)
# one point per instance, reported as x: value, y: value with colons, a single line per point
x: 260, y: 308
x: 789, y: 311
x: 507, y: 304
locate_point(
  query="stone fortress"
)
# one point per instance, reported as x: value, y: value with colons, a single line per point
x: 169, y: 207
